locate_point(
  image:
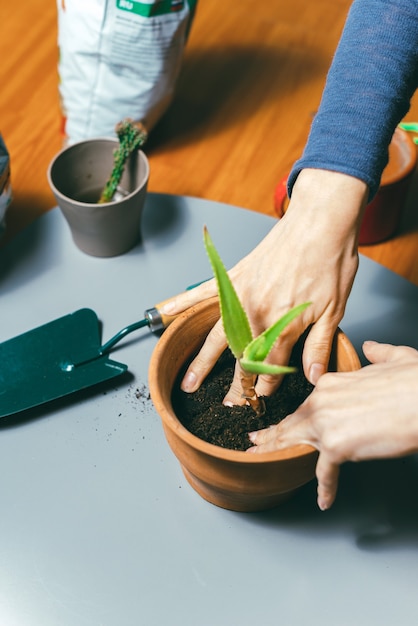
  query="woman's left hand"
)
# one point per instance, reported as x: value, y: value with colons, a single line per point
x: 353, y: 416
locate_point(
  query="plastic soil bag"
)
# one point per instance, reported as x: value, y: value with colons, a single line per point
x: 5, y: 186
x: 118, y: 59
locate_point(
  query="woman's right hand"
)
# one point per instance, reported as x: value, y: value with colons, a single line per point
x: 309, y: 255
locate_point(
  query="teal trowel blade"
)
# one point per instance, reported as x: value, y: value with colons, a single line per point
x: 52, y: 361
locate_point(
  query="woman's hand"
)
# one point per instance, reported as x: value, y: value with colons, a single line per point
x: 309, y: 255
x: 367, y: 414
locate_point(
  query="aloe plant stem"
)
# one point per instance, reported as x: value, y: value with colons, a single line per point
x: 249, y: 393
x: 131, y: 137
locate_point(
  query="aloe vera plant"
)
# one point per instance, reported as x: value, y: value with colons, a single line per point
x: 251, y: 353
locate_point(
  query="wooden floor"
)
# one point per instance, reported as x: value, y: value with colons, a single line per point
x: 251, y: 81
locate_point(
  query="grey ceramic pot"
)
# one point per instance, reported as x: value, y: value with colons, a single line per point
x: 77, y: 175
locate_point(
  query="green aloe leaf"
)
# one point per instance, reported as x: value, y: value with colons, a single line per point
x: 261, y: 346
x: 260, y: 367
x: 236, y: 325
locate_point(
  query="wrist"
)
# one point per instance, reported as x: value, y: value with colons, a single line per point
x: 330, y: 199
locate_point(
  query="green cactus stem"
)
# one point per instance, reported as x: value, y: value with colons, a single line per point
x: 132, y: 135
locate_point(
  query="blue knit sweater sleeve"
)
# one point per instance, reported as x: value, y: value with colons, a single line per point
x: 368, y: 90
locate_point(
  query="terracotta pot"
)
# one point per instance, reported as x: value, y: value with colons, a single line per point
x: 383, y: 214
x: 230, y: 479
x: 77, y: 176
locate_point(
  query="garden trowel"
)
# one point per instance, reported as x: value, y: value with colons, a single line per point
x: 61, y: 357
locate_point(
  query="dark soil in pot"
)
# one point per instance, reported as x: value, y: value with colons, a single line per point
x: 204, y: 415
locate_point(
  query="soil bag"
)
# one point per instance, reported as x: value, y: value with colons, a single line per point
x: 118, y: 59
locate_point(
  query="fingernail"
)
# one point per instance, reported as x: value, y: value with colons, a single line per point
x: 189, y: 382
x: 252, y: 450
x: 315, y: 372
x: 323, y: 505
x: 228, y: 403
x: 252, y: 436
x: 168, y: 308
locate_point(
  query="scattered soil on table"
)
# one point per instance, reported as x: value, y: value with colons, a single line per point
x: 204, y: 415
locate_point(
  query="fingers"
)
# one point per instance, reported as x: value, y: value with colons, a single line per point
x: 327, y: 474
x: 210, y: 352
x: 280, y: 354
x: 267, y: 440
x: 188, y: 298
x: 385, y: 353
x: 235, y: 395
x: 317, y: 350
x: 282, y: 435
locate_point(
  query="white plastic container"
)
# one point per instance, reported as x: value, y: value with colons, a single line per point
x: 118, y: 59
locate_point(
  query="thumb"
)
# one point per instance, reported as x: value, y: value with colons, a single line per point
x: 193, y: 295
x: 385, y: 352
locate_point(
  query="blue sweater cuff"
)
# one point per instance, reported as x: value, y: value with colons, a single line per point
x: 368, y: 91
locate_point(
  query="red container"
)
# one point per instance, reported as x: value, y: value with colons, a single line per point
x: 382, y: 216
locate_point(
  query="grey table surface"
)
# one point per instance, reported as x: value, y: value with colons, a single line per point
x: 98, y: 526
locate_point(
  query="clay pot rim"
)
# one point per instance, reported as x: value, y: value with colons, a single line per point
x: 82, y: 205
x: 171, y: 421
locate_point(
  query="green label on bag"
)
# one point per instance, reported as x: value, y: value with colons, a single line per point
x: 161, y: 7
